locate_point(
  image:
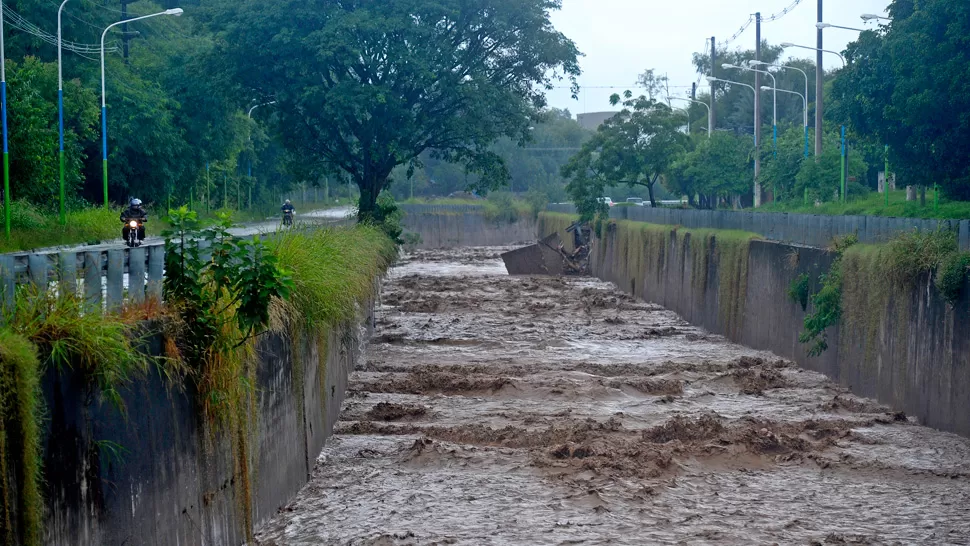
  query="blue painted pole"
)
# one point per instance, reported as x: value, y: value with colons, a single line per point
x: 104, y: 151
x: 6, y: 152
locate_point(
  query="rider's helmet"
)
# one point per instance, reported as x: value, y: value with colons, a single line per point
x: 287, y: 201
x: 135, y: 203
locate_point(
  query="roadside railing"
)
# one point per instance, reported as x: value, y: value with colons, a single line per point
x: 106, y: 278
x: 815, y: 230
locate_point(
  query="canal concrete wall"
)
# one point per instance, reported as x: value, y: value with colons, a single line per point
x: 159, y: 474
x: 453, y: 226
x: 904, y: 346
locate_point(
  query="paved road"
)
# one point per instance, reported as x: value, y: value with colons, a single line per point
x: 322, y: 217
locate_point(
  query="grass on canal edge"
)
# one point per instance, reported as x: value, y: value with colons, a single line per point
x: 874, y: 204
x: 334, y: 273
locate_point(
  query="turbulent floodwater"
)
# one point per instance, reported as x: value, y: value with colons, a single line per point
x: 502, y: 410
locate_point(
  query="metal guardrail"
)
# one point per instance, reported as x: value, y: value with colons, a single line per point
x: 104, y: 277
x: 815, y: 230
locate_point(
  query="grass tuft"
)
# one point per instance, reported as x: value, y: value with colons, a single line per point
x: 333, y: 271
x: 20, y: 443
x: 33, y: 228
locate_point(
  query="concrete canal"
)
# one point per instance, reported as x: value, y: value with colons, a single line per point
x: 510, y: 410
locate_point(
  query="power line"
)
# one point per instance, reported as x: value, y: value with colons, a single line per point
x: 774, y: 17
x: 19, y: 22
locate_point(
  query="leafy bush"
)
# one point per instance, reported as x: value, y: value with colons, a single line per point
x: 500, y: 207
x: 798, y: 291
x: 952, y: 275
x: 827, y: 302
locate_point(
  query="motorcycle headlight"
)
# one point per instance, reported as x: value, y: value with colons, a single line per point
x: 133, y: 224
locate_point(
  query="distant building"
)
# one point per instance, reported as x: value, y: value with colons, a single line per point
x: 593, y: 120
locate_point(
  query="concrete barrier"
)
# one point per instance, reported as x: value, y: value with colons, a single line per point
x: 805, y: 229
x: 909, y: 350
x: 452, y: 226
x: 162, y: 475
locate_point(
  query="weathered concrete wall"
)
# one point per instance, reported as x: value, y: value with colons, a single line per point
x: 908, y: 349
x: 447, y: 229
x: 160, y: 476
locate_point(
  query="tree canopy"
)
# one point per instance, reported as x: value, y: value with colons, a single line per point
x: 364, y: 86
x: 633, y: 148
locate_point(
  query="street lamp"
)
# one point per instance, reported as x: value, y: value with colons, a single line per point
x: 250, y: 116
x: 836, y: 53
x: 774, y: 115
x: 822, y: 26
x: 789, y: 67
x: 710, y: 129
x: 104, y: 108
x: 804, y: 103
x: 873, y: 17
x: 711, y: 79
x: 60, y: 111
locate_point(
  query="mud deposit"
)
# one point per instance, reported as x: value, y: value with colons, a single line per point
x: 498, y: 410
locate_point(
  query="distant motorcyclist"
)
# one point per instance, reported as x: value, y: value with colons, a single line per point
x: 288, y: 211
x: 135, y: 212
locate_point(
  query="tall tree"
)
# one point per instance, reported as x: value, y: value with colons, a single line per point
x: 367, y: 85
x: 634, y: 148
x: 907, y: 83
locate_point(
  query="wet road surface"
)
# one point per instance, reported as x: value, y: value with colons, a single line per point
x: 501, y: 410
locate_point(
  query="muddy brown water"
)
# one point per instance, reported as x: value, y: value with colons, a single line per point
x: 511, y: 410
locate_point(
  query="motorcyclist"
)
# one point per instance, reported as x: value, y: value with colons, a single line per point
x: 135, y: 211
x: 288, y: 210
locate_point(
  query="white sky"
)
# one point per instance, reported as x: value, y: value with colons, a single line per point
x: 622, y: 38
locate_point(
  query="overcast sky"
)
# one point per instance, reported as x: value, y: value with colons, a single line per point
x: 622, y: 38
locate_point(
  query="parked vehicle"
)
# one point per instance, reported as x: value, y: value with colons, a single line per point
x: 609, y: 202
x: 635, y: 201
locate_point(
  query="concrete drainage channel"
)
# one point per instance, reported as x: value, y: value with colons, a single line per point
x: 543, y: 410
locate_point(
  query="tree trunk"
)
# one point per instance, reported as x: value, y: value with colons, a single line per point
x: 922, y: 195
x: 653, y: 200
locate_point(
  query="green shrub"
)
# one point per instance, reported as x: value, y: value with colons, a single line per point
x: 798, y: 291
x: 952, y: 275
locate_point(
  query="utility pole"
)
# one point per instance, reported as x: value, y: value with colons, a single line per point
x: 713, y: 113
x: 693, y: 91
x: 125, y: 35
x: 757, y: 114
x: 819, y: 91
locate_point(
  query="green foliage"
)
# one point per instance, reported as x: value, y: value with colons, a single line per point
x: 223, y: 302
x: 633, y: 148
x: 827, y: 302
x: 874, y: 204
x: 333, y: 273
x: 798, y: 291
x: 952, y: 276
x: 69, y: 335
x: 904, y: 86
x: 20, y: 440
x: 720, y: 166
x: 36, y: 228
x: 401, y: 77
x: 915, y: 253
x: 501, y: 207
x: 387, y: 216
x: 537, y: 201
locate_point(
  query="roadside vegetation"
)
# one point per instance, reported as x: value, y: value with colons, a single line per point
x: 304, y: 282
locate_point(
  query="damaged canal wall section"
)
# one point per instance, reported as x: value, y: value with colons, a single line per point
x: 159, y: 476
x: 904, y: 346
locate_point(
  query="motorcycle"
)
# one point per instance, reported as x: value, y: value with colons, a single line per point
x: 288, y: 217
x: 129, y: 233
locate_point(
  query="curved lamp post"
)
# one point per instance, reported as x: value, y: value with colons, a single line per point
x: 790, y: 67
x: 751, y: 87
x: 710, y: 129
x: 774, y: 111
x: 104, y: 109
